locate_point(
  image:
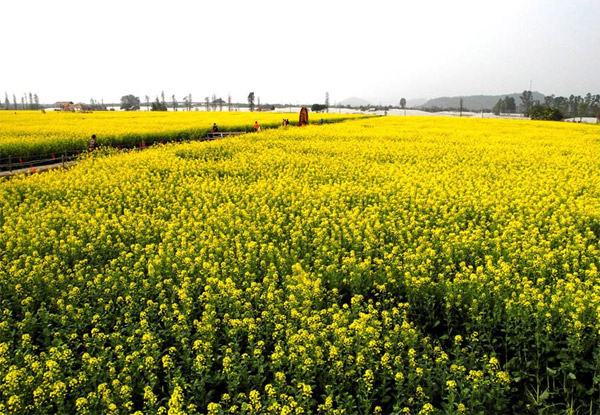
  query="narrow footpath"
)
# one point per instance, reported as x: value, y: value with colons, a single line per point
x: 38, y: 169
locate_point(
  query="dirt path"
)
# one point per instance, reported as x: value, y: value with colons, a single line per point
x: 38, y: 169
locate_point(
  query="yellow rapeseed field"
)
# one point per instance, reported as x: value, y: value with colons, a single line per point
x: 393, y: 265
x: 25, y: 133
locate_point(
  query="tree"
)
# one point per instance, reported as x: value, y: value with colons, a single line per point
x: 510, y: 105
x: 258, y: 103
x: 505, y: 105
x: 214, y: 102
x: 159, y: 105
x: 15, y: 101
x: 562, y: 104
x: 190, y: 102
x: 6, y: 101
x: 174, y: 102
x: 207, y: 103
x: 218, y: 102
x: 251, y: 101
x: 595, y: 106
x: 403, y: 103
x: 318, y: 108
x: 573, y: 105
x: 327, y: 101
x: 583, y: 106
x: 130, y: 103
x: 591, y: 104
x: 538, y: 112
x: 526, y: 101
x: 460, y: 108
x: 229, y: 102
x: 147, y: 103
x: 162, y: 100
x: 498, y: 107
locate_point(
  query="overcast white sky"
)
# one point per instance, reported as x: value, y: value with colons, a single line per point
x: 295, y: 51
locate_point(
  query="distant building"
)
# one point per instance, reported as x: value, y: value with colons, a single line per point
x: 63, y: 106
x: 67, y: 106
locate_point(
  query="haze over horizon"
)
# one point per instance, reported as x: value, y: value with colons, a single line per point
x: 296, y: 52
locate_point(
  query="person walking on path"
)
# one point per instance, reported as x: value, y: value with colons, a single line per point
x: 92, y: 143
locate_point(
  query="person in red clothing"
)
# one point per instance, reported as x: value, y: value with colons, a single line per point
x: 256, y: 127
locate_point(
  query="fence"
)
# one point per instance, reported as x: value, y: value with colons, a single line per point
x: 11, y: 163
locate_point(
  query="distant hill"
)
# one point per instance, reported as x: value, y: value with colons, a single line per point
x: 355, y: 102
x: 475, y: 102
x: 415, y: 102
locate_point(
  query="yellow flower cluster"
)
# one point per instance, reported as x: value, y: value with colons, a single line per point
x: 407, y: 265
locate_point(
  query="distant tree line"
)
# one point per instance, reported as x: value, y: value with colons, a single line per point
x: 553, y: 107
x: 133, y: 103
x: 28, y: 101
x: 574, y: 106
